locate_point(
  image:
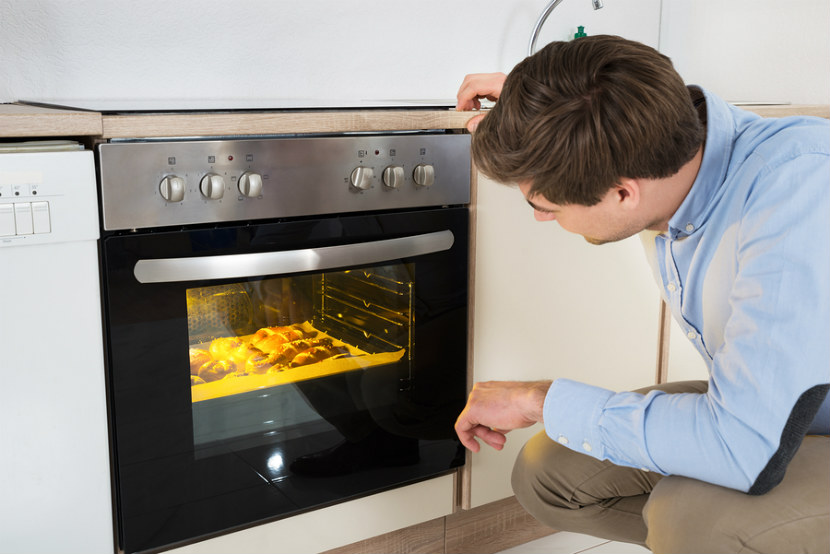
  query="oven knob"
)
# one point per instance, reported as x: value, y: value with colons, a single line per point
x: 212, y: 186
x: 424, y: 175
x: 172, y: 188
x: 362, y: 177
x: 250, y: 184
x: 393, y: 176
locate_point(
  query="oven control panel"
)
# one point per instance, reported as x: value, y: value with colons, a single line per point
x: 179, y: 182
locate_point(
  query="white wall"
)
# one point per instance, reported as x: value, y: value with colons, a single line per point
x: 745, y: 50
x: 279, y: 49
x: 751, y: 50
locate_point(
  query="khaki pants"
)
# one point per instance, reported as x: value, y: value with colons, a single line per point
x: 570, y: 491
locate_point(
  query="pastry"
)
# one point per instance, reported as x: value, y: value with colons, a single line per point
x: 316, y: 354
x: 258, y: 363
x: 242, y: 353
x: 286, y: 352
x: 272, y: 342
x: 224, y: 347
x: 215, y: 370
x: 267, y: 332
x: 198, y: 358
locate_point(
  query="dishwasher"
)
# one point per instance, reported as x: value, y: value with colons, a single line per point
x: 54, y: 459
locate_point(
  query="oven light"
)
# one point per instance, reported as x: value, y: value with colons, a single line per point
x: 275, y: 462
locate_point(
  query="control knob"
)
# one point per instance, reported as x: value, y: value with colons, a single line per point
x: 212, y: 186
x: 250, y: 184
x: 172, y: 188
x: 393, y: 176
x: 361, y: 177
x: 424, y: 175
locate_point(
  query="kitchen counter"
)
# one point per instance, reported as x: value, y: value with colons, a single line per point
x: 20, y: 120
x: 280, y: 122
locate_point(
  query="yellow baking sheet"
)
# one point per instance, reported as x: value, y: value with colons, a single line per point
x: 236, y: 384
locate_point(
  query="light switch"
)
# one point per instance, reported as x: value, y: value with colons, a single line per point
x: 40, y: 217
x: 7, y: 220
x: 23, y: 218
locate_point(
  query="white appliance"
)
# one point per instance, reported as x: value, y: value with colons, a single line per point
x: 54, y: 456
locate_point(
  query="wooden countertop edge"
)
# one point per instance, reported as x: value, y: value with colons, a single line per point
x: 784, y: 110
x: 256, y: 123
x: 19, y: 120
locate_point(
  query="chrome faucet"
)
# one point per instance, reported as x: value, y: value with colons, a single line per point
x: 531, y: 49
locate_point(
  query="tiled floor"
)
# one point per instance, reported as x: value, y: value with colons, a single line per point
x: 573, y: 543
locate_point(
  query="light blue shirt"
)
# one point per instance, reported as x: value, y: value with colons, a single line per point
x: 745, y: 269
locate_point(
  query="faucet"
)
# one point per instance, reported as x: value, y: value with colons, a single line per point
x: 531, y: 49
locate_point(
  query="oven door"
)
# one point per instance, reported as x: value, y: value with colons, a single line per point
x: 260, y: 371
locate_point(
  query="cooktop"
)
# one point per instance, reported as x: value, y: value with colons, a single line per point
x: 162, y: 105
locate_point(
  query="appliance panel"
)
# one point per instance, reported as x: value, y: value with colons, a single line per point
x: 191, y: 467
x: 157, y: 184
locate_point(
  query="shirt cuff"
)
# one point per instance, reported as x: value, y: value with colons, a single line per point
x: 571, y: 416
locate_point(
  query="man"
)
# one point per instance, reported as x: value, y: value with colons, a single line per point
x: 602, y: 135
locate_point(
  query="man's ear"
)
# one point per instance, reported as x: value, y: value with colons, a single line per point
x: 627, y: 193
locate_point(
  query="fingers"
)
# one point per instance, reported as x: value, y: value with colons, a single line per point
x: 476, y: 86
x: 491, y: 438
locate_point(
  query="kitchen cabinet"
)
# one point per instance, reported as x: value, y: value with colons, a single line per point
x: 548, y: 305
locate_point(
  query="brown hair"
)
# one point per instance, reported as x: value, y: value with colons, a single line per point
x: 578, y: 116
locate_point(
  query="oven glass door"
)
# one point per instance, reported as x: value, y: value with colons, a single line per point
x: 257, y: 372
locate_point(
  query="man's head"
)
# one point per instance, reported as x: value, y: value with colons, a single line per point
x: 578, y: 116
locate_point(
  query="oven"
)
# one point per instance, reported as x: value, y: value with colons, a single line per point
x: 285, y: 323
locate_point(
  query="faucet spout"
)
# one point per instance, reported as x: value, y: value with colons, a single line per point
x: 534, y: 36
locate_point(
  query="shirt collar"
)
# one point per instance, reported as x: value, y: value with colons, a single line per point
x: 720, y: 134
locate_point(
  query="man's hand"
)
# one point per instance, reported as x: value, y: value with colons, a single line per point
x: 475, y: 87
x: 496, y: 407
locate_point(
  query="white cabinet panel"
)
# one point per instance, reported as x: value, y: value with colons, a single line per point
x: 549, y: 305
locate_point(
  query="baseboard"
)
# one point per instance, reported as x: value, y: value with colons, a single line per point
x: 483, y: 530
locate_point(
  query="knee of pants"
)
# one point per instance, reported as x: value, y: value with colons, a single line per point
x: 528, y: 470
x: 546, y: 475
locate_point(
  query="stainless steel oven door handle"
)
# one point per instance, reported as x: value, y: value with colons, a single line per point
x: 231, y: 266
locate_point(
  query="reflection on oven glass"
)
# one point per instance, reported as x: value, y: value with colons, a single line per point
x: 248, y: 339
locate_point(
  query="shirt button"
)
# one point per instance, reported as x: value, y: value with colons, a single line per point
x: 690, y: 227
x: 562, y: 439
x: 671, y: 287
x: 692, y: 335
x: 586, y: 446
x: 644, y: 469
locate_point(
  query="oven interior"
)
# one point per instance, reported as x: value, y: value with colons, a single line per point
x: 248, y: 339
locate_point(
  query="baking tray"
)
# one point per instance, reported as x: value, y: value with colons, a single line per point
x: 238, y: 383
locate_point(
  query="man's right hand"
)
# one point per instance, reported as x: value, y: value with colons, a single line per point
x: 477, y: 86
x: 496, y: 407
x: 474, y: 88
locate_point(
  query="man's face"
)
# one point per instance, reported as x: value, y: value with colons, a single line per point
x: 607, y: 221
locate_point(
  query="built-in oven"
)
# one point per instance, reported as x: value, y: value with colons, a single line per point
x: 286, y: 323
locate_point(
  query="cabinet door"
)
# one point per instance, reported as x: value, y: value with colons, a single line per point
x: 549, y: 305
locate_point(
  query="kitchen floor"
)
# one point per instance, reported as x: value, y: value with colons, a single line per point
x: 574, y: 543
